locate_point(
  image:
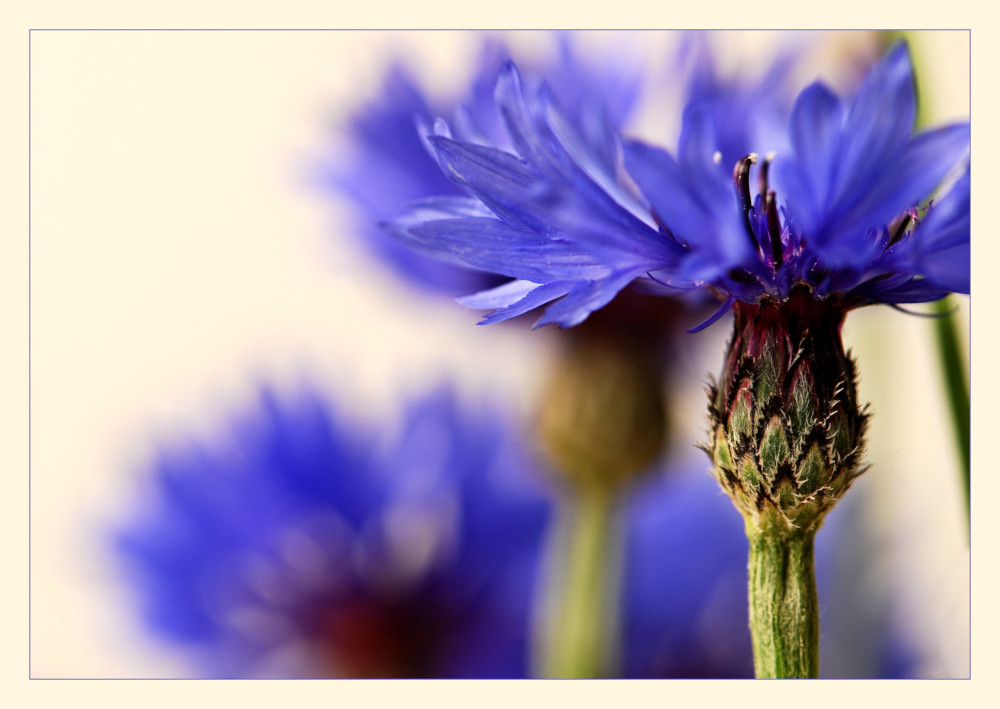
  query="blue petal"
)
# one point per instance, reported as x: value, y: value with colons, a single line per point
x: 499, y: 297
x: 665, y: 185
x: 810, y: 177
x: 941, y: 242
x: 904, y: 184
x: 947, y: 220
x: 716, y: 316
x: 491, y: 245
x: 517, y: 120
x: 949, y: 268
x: 712, y: 231
x: 917, y: 290
x: 585, y: 298
x: 879, y: 122
x: 569, y: 207
x: 502, y: 181
x: 699, y: 155
x: 599, y: 163
x: 536, y: 297
x: 570, y: 191
x: 443, y: 207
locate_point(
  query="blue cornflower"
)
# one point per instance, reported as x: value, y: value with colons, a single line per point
x: 840, y: 218
x: 390, y: 163
x: 843, y: 218
x: 304, y: 544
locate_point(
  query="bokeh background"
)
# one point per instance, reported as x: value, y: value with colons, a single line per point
x: 183, y: 252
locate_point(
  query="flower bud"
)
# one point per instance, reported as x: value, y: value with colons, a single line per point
x: 787, y: 434
x: 602, y: 419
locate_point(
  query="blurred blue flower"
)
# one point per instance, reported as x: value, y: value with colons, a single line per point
x: 684, y: 586
x: 302, y: 544
x: 746, y: 113
x: 305, y: 545
x: 574, y: 228
x: 390, y: 164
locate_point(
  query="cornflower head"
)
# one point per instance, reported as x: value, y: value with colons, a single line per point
x: 842, y: 206
x: 389, y: 163
x: 305, y: 544
x: 838, y: 220
x: 787, y: 429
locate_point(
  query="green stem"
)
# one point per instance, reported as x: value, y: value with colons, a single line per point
x: 946, y: 334
x: 580, y: 627
x: 784, y: 609
x: 956, y: 387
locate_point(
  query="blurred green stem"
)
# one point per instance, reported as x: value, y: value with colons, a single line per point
x: 956, y: 386
x: 601, y: 424
x: 580, y: 626
x: 952, y: 367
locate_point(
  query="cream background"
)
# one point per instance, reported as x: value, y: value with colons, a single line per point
x: 150, y: 175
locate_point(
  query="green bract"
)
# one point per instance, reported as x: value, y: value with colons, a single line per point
x: 787, y: 432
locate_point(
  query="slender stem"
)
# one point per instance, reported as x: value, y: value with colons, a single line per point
x: 580, y: 626
x: 952, y: 368
x: 784, y: 609
x: 956, y: 386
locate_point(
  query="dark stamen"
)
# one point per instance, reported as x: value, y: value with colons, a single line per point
x: 773, y: 228
x: 741, y: 179
x: 764, y: 173
x: 740, y: 277
x: 771, y: 212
